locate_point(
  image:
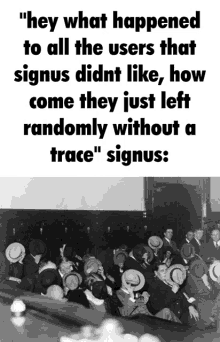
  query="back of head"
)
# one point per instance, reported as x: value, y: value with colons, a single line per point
x: 37, y: 247
x: 97, y: 286
x: 138, y: 252
x: 55, y: 292
x: 48, y: 278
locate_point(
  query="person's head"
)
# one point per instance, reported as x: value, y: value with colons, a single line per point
x: 168, y: 233
x: 47, y: 278
x: 142, y: 253
x: 96, y: 285
x: 161, y: 271
x: 37, y: 248
x: 198, y: 234
x: 55, y: 292
x: 66, y: 267
x: 215, y: 235
x: 189, y: 235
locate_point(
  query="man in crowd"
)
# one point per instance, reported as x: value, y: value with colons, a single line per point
x: 167, y: 240
x: 211, y: 249
x: 196, y: 241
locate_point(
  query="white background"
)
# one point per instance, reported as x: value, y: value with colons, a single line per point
x: 188, y: 156
x: 72, y: 193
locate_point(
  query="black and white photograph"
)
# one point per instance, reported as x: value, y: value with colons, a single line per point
x: 140, y: 254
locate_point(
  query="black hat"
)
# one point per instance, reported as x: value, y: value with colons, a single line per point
x: 37, y: 247
x: 47, y: 278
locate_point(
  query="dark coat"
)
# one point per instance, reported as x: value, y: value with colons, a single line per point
x: 209, y: 251
x: 197, y: 247
x: 30, y: 266
x: 162, y: 296
x: 4, y: 266
x: 172, y: 244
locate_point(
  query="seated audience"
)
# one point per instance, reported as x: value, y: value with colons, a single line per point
x: 165, y: 294
x: 37, y: 249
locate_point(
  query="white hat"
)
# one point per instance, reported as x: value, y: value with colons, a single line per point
x: 214, y: 270
x: 135, y: 277
x: 173, y: 273
x: 14, y: 252
x: 155, y: 242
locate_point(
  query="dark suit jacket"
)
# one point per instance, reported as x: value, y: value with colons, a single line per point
x: 162, y: 296
x: 30, y: 266
x: 209, y: 251
x: 197, y: 247
x: 4, y: 266
x: 171, y: 244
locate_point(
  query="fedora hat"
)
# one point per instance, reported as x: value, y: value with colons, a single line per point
x: 47, y: 278
x: 91, y: 265
x: 187, y: 251
x: 72, y: 280
x: 14, y: 252
x: 214, y: 270
x: 133, y: 277
x: 120, y: 257
x: 47, y: 266
x: 139, y: 250
x: 155, y: 242
x: 37, y: 247
x: 173, y: 272
x: 198, y: 268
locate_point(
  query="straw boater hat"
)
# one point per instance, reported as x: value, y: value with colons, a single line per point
x: 14, y: 252
x: 155, y: 242
x: 174, y: 272
x: 187, y: 251
x: 134, y: 278
x: 198, y: 268
x: 214, y: 270
x: 120, y: 257
x: 91, y: 265
x: 72, y: 280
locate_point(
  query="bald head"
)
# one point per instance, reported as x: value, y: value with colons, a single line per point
x: 55, y: 292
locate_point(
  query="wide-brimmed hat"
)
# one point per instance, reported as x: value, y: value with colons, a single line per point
x: 14, y: 252
x: 173, y: 272
x: 155, y: 242
x: 47, y: 266
x: 139, y: 250
x: 47, y: 278
x: 133, y: 277
x: 91, y: 265
x: 187, y: 251
x: 120, y: 257
x: 214, y: 270
x: 37, y: 247
x: 72, y: 280
x: 198, y: 268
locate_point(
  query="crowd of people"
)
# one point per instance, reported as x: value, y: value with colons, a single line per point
x: 154, y: 278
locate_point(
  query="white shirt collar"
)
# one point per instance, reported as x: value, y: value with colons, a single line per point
x: 124, y: 290
x: 198, y: 241
x: 61, y: 274
x: 187, y: 240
